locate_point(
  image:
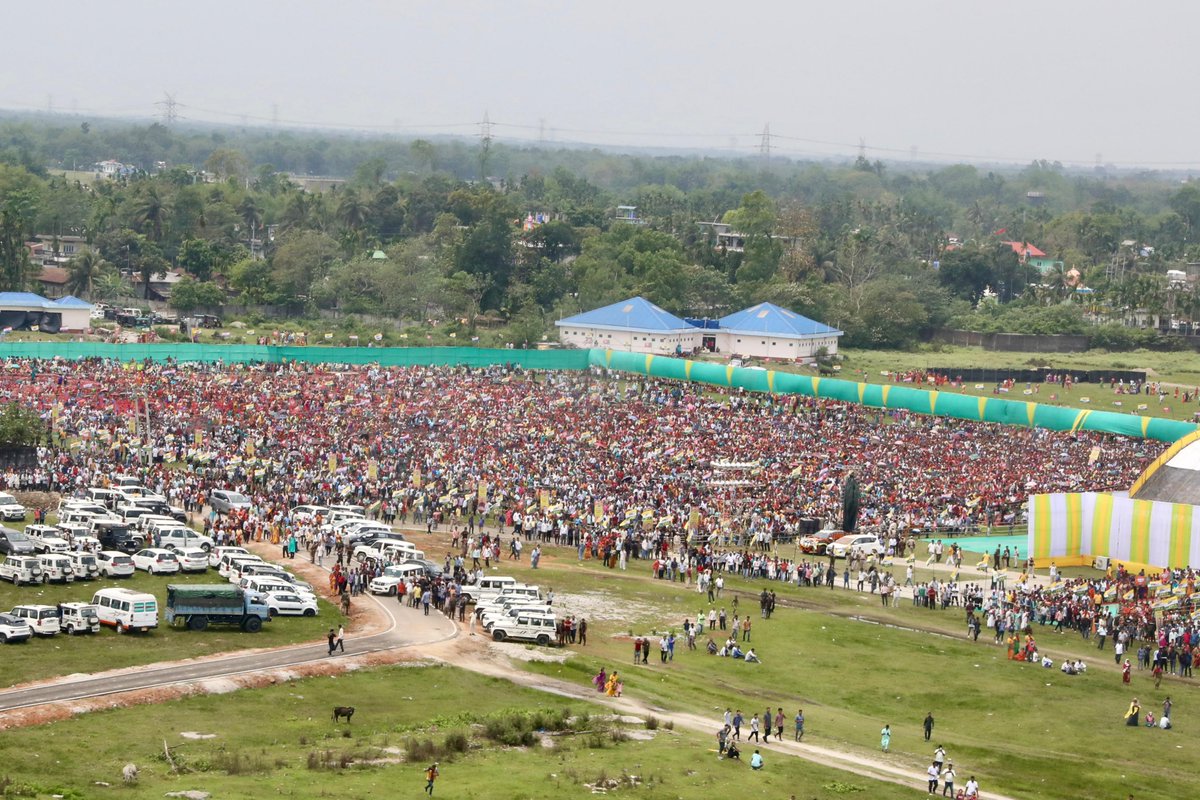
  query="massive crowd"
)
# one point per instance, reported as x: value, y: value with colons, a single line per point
x: 568, y: 454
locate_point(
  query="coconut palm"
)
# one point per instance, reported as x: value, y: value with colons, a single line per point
x: 83, y: 272
x: 353, y: 210
x: 110, y: 285
x: 152, y: 211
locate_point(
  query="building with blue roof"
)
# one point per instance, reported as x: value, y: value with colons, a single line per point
x: 25, y: 311
x: 635, y: 325
x: 770, y: 331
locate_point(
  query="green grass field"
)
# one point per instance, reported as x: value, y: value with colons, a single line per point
x: 45, y: 657
x: 855, y: 666
x: 279, y: 741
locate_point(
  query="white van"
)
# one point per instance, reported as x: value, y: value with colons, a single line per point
x: 57, y: 567
x: 529, y: 627
x: 126, y: 610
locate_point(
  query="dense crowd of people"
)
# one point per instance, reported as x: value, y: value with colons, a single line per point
x: 562, y: 455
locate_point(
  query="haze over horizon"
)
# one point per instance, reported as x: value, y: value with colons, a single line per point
x: 928, y: 80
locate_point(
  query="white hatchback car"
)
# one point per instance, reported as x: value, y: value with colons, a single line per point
x: 156, y: 560
x: 862, y: 543
x: 288, y: 603
x: 114, y: 564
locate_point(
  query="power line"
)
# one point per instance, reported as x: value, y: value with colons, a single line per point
x: 764, y: 146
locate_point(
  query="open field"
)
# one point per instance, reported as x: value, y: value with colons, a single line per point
x: 45, y: 657
x: 279, y: 741
x: 855, y: 666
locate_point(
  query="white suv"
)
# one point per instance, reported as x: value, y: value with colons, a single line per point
x: 47, y: 539
x: 180, y: 538
x: 21, y: 569
x: 10, y: 509
x: 43, y: 619
x: 13, y: 629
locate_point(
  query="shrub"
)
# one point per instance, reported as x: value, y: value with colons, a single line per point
x: 651, y: 723
x: 455, y: 742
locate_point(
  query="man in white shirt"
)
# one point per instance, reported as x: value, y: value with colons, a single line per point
x: 948, y: 780
x: 933, y: 774
x: 972, y: 788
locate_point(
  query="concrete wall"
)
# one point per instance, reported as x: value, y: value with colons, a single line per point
x: 630, y: 341
x: 752, y: 345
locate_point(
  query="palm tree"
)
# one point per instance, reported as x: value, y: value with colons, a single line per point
x: 250, y: 213
x: 353, y: 210
x: 83, y: 272
x: 110, y: 285
x: 152, y: 210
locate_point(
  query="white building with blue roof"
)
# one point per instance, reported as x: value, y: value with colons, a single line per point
x: 635, y: 325
x: 22, y: 311
x: 769, y: 331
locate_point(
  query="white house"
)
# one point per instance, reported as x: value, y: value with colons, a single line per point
x: 768, y: 331
x: 635, y: 325
x: 22, y: 311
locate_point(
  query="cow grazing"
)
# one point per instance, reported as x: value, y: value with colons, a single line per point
x: 343, y: 711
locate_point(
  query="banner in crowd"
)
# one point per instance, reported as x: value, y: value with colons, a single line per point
x: 896, y: 396
x: 1076, y: 528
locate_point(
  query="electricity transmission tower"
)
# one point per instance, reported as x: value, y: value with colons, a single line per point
x: 485, y: 145
x: 168, y: 107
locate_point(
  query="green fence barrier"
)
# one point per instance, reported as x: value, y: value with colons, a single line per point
x: 236, y: 353
x: 922, y: 401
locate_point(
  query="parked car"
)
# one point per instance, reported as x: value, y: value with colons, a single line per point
x: 43, y: 619
x: 192, y: 559
x: 78, y: 618
x: 57, y: 567
x: 309, y: 512
x: 21, y: 569
x: 215, y: 555
x: 126, y: 609
x: 180, y: 538
x: 533, y: 627
x: 864, y: 543
x: 13, y: 629
x: 47, y: 539
x: 156, y: 560
x: 10, y: 509
x: 290, y: 603
x: 86, y: 566
x: 114, y: 564
x: 223, y: 501
x: 819, y: 542
x: 15, y: 543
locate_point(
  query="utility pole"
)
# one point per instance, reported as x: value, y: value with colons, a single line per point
x: 168, y: 108
x: 764, y: 145
x: 485, y: 145
x: 862, y: 148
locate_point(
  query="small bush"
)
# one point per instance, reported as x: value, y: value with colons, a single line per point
x: 417, y: 750
x: 669, y: 724
x: 456, y: 742
x: 651, y: 723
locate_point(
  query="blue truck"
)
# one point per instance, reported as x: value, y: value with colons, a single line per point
x: 197, y: 605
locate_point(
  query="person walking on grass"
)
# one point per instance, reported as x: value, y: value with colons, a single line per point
x: 431, y: 775
x: 799, y: 724
x: 928, y: 725
x: 885, y: 738
x: 753, y: 729
x: 933, y: 774
x: 948, y: 780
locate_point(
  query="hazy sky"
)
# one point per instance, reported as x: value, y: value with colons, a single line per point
x: 1057, y: 79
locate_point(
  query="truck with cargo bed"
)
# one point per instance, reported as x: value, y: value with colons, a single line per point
x: 198, y: 605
